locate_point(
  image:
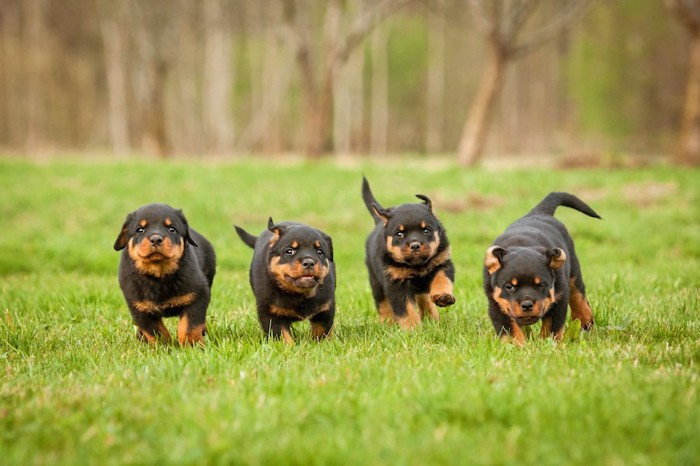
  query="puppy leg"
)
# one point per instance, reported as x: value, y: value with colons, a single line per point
x: 405, y: 312
x: 322, y: 323
x: 580, y: 308
x: 150, y: 328
x: 506, y: 328
x: 516, y: 333
x: 191, y: 330
x: 426, y: 307
x: 553, y: 321
x: 276, y: 327
x: 441, y: 289
x: 192, y: 326
x: 386, y: 313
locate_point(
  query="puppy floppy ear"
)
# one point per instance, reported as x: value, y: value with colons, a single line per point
x: 426, y: 200
x: 329, y: 242
x: 123, y: 237
x: 278, y: 230
x: 383, y: 214
x: 556, y: 258
x: 494, y: 259
x: 187, y: 236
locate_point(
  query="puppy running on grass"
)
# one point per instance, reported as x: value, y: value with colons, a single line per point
x: 531, y: 272
x: 166, y: 270
x: 408, y: 260
x: 292, y: 275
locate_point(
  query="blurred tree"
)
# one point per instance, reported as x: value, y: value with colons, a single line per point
x: 218, y: 76
x: 113, y: 42
x: 319, y: 65
x: 688, y: 14
x: 501, y: 22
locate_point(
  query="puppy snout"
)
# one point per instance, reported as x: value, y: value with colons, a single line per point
x: 308, y: 263
x: 156, y: 240
x: 527, y: 306
x: 415, y: 246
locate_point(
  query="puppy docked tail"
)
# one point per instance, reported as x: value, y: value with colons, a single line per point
x: 246, y: 237
x: 549, y: 205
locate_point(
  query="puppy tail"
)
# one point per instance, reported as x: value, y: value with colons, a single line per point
x: 549, y: 205
x: 370, y: 201
x: 246, y: 237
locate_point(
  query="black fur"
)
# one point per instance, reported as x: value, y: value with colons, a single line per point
x: 292, y: 248
x: 533, y: 270
x: 156, y: 286
x: 408, y: 260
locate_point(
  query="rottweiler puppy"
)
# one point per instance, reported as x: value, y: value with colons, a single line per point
x: 408, y: 260
x: 531, y: 272
x: 166, y: 270
x: 292, y: 275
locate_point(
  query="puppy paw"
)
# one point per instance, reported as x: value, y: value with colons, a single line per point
x: 443, y: 299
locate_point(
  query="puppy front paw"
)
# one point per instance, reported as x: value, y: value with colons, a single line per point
x: 443, y: 299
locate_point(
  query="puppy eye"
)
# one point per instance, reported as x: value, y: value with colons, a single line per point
x: 509, y: 287
x: 172, y: 229
x: 319, y: 252
x: 400, y: 234
x: 290, y: 251
x: 140, y: 230
x: 427, y: 230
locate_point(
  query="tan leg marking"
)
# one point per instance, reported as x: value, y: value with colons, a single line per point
x: 426, y: 307
x: 441, y: 290
x: 411, y: 319
x: 187, y: 335
x: 386, y: 313
x: 580, y: 308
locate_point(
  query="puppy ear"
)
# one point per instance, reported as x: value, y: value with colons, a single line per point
x: 276, y: 229
x: 383, y: 214
x: 123, y: 237
x: 188, y: 238
x: 426, y: 200
x: 556, y: 258
x: 328, y: 241
x: 494, y: 259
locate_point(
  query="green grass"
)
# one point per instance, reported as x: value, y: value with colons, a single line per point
x: 76, y: 387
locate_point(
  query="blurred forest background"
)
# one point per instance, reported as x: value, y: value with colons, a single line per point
x: 581, y: 80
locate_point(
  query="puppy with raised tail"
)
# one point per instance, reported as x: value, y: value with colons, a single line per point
x: 531, y: 273
x: 408, y: 260
x: 292, y: 275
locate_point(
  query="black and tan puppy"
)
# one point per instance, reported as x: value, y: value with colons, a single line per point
x: 408, y: 259
x: 166, y: 270
x: 531, y: 272
x: 292, y: 275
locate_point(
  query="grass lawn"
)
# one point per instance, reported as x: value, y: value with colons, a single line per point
x: 76, y: 387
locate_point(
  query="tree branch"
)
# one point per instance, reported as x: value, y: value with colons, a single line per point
x: 572, y: 11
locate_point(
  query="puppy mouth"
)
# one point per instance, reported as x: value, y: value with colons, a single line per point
x: 154, y: 256
x: 303, y: 281
x: 528, y: 320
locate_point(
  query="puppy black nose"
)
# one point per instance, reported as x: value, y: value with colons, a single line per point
x: 415, y: 246
x: 527, y: 306
x: 308, y: 263
x: 156, y: 240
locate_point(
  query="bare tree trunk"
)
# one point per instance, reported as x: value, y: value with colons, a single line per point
x: 347, y: 104
x: 436, y: 81
x: 688, y: 151
x: 10, y: 30
x: 34, y: 10
x: 116, y: 85
x: 218, y: 79
x: 471, y: 144
x: 379, y: 131
x: 154, y: 138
